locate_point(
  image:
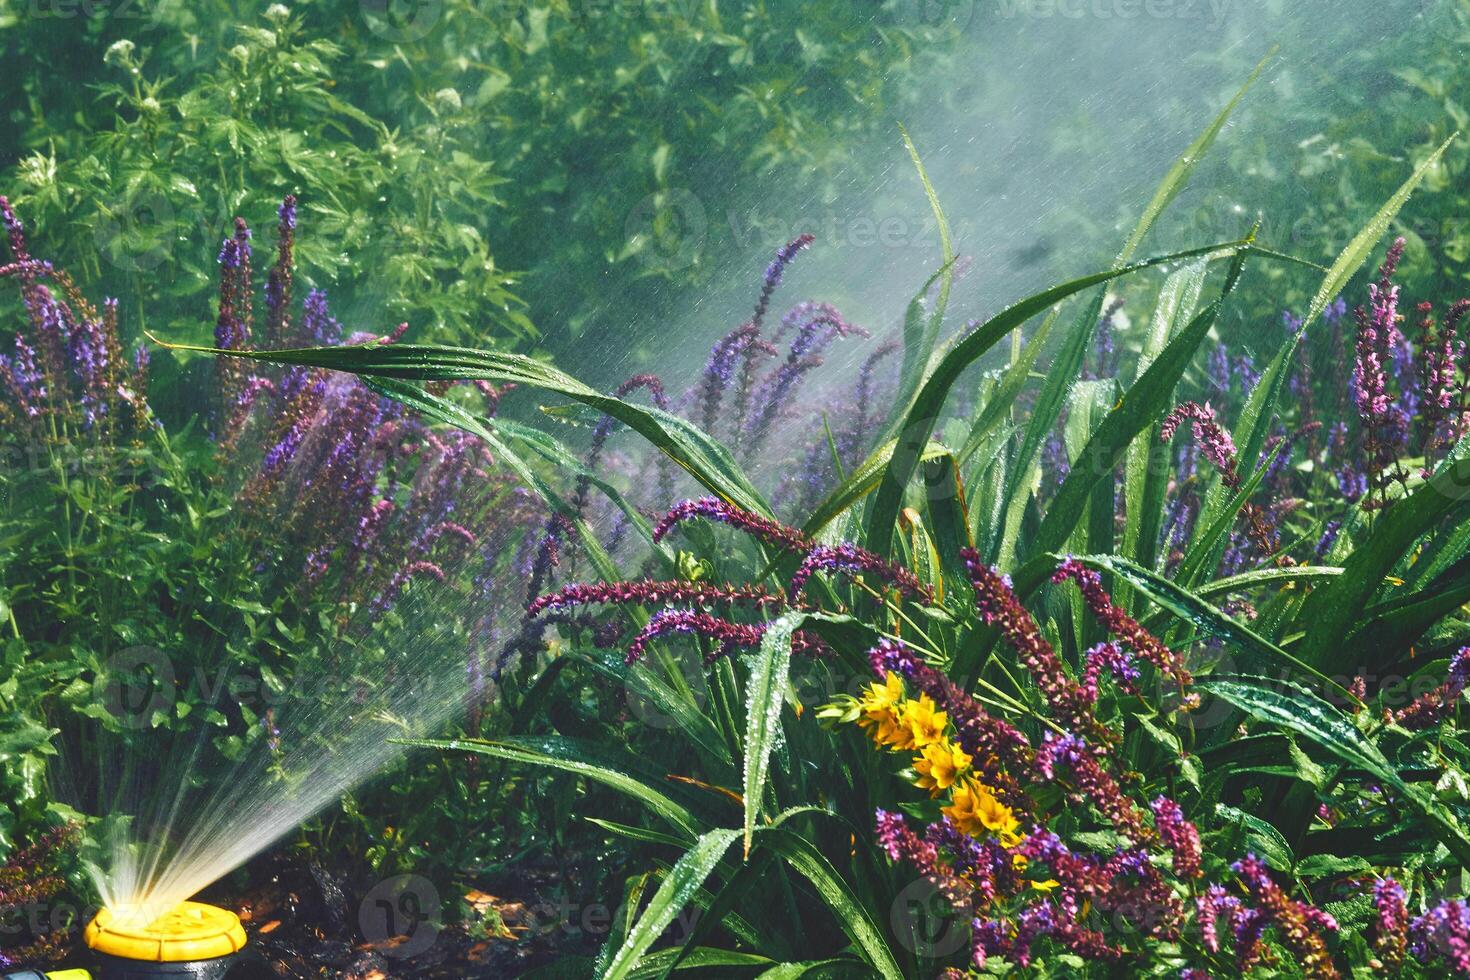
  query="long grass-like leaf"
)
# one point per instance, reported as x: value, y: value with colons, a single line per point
x: 1289, y: 706
x: 443, y: 410
x: 859, y: 483
x: 601, y: 763
x: 1202, y: 615
x: 1146, y: 471
x: 1267, y: 576
x: 794, y: 971
x: 701, y: 958
x: 702, y: 456
x: 1332, y: 610
x: 1181, y: 169
x: 641, y: 680
x: 685, y: 878
x: 1143, y: 404
x: 765, y: 693
x: 1397, y: 624
x: 1002, y: 400
x: 923, y: 414
x: 851, y: 914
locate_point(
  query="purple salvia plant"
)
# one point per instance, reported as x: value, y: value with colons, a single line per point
x: 1383, y: 421
x: 650, y: 593
x: 774, y: 272
x: 740, y: 346
x: 278, y: 284
x: 1218, y: 448
x: 67, y: 360
x: 1390, y: 935
x: 1443, y: 933
x: 1439, y: 703
x: 855, y: 437
x: 763, y: 529
x: 852, y: 560
x: 730, y: 636
x: 775, y: 392
x: 232, y: 325
x: 1299, y: 926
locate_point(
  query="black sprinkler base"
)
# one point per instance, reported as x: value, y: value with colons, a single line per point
x: 242, y: 966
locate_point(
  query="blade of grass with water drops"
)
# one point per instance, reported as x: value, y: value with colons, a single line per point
x: 675, y: 892
x: 1287, y: 705
x: 765, y: 693
x: 1146, y: 470
x: 921, y: 330
x: 1267, y: 576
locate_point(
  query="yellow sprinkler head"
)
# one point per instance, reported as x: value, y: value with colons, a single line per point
x: 193, y: 940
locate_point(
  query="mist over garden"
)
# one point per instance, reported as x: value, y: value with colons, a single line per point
x: 615, y: 488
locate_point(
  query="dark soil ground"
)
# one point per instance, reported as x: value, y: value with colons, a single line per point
x: 307, y: 923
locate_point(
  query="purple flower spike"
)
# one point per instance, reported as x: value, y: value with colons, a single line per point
x: 744, y: 343
x: 655, y: 594
x: 763, y: 529
x: 1390, y: 940
x: 997, y: 606
x: 853, y: 560
x: 1439, y: 703
x: 775, y: 271
x: 1213, y: 440
x: 1179, y: 835
x: 670, y: 621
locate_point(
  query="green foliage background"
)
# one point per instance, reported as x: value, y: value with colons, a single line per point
x: 510, y: 178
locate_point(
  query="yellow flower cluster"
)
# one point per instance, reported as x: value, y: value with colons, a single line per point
x: 902, y: 724
x: 975, y: 811
x: 897, y: 723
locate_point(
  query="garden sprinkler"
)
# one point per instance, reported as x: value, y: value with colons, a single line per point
x: 193, y: 942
